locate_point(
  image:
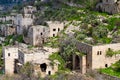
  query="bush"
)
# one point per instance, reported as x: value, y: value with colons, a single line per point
x: 114, y: 70
x: 110, y: 52
x: 56, y: 56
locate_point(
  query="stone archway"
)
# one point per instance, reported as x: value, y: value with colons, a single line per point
x: 99, y: 8
x: 77, y: 62
x: 43, y: 67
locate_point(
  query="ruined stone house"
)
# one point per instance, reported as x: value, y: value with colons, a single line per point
x: 17, y: 57
x: 29, y: 10
x: 7, y: 29
x: 24, y: 20
x: 109, y: 6
x: 7, y: 18
x: 95, y: 57
x: 37, y: 35
x: 55, y: 27
x: 10, y: 55
x: 44, y: 67
x: 10, y: 30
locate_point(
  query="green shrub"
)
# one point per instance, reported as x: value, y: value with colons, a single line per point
x: 56, y: 56
x: 110, y: 52
x: 114, y: 70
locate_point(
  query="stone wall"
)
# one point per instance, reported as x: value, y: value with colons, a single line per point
x: 50, y: 70
x: 96, y: 55
x: 40, y: 34
x: 37, y: 35
x: 7, y: 18
x: 108, y: 77
x: 23, y: 22
x: 55, y: 27
x: 109, y: 1
x: 87, y: 50
x: 10, y: 30
x: 9, y: 56
x: 109, y: 6
x: 29, y: 9
x: 35, y: 54
x: 99, y: 59
x: 7, y: 29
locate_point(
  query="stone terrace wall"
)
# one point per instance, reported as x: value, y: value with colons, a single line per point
x: 111, y: 7
x: 108, y: 77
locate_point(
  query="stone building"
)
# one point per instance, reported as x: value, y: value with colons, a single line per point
x: 95, y: 57
x: 37, y: 35
x: 2, y: 39
x: 7, y: 29
x: 55, y: 27
x: 10, y: 30
x: 24, y: 20
x: 109, y: 6
x: 29, y: 9
x: 2, y: 29
x: 44, y: 67
x: 10, y: 56
x: 16, y: 57
x: 7, y: 18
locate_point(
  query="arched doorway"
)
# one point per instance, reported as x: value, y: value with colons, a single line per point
x: 43, y: 67
x: 77, y: 62
x: 99, y: 8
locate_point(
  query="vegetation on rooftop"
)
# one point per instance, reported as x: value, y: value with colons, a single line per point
x: 27, y: 70
x: 94, y: 25
x: 56, y: 56
x: 10, y: 40
x: 94, y: 28
x: 110, y: 52
x: 52, y: 42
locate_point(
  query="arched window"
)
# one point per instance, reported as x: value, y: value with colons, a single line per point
x: 43, y: 67
x: 106, y: 65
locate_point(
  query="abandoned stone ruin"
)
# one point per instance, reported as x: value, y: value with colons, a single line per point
x: 109, y: 6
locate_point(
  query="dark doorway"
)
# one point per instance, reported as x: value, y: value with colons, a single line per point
x: 43, y: 67
x: 43, y: 41
x: 15, y: 65
x: 49, y: 72
x: 100, y: 0
x: 106, y: 65
x: 99, y: 8
x: 53, y: 35
x: 77, y: 62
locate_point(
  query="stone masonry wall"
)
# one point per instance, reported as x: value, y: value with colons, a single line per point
x: 109, y: 6
x: 9, y: 55
x: 96, y: 55
x: 87, y: 50
x: 99, y: 59
x: 108, y: 77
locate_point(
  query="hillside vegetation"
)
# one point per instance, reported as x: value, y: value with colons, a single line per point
x: 92, y: 27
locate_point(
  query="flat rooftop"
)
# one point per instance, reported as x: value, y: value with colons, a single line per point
x: 32, y: 51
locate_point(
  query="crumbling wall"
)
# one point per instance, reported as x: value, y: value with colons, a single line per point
x: 111, y: 7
